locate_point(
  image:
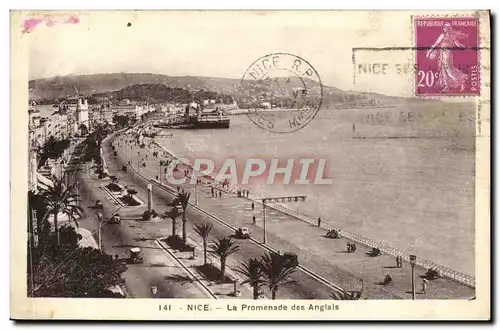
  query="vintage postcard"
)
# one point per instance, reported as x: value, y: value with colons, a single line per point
x: 250, y: 165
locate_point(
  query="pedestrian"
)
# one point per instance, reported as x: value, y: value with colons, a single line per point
x: 116, y: 256
x: 319, y: 222
x: 220, y: 193
x: 253, y: 206
x: 348, y: 247
x: 353, y: 247
x: 254, y: 220
x: 178, y: 189
x: 212, y: 191
x: 248, y: 193
x: 424, y: 286
x: 397, y: 261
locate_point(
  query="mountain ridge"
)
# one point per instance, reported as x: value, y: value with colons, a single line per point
x: 60, y: 87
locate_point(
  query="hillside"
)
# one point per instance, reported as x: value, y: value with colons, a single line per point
x: 46, y: 91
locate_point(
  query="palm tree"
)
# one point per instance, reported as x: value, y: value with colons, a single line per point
x: 173, y: 213
x: 348, y: 295
x: 183, y: 198
x: 252, y: 270
x: 60, y: 199
x: 223, y: 248
x: 203, y: 230
x: 276, y: 272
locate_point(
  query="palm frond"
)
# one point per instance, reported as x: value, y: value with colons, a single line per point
x: 224, y: 247
x: 203, y: 230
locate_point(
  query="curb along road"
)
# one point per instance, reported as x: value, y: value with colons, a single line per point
x: 195, y: 278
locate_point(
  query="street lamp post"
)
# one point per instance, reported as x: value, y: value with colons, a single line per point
x: 264, y: 218
x: 159, y: 177
x: 138, y: 160
x: 130, y: 160
x: 99, y: 217
x: 413, y: 259
x: 276, y: 199
x: 196, y: 194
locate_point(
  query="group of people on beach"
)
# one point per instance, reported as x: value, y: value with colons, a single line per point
x: 243, y: 193
x: 399, y: 261
x: 216, y: 193
x: 351, y: 247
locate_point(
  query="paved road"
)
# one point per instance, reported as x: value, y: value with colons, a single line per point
x: 116, y: 239
x: 305, y: 287
x: 326, y: 257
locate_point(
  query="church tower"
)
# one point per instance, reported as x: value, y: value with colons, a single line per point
x: 82, y: 116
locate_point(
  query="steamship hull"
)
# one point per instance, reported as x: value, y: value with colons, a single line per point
x: 209, y: 122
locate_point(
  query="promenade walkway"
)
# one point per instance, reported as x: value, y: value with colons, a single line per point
x: 326, y: 257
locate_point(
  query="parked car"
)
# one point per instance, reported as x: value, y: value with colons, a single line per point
x: 98, y: 204
x: 242, y: 232
x: 115, y: 219
x: 136, y: 256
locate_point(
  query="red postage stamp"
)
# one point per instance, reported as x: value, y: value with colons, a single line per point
x: 447, y: 56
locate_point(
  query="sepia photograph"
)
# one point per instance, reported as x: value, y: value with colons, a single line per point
x: 256, y: 165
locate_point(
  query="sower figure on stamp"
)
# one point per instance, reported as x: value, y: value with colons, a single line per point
x: 450, y: 75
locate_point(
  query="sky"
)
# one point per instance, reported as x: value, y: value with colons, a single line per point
x: 224, y: 44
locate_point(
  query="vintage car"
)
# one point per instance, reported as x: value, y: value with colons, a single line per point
x: 242, y: 232
x: 115, y: 219
x: 136, y: 256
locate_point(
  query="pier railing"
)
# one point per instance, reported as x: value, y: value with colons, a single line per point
x: 457, y: 276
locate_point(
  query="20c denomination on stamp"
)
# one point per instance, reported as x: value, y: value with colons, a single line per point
x: 281, y: 92
x: 447, y: 56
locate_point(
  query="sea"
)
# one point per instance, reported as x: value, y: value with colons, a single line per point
x: 401, y: 175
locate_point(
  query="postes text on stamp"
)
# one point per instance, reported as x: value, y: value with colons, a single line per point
x: 282, y: 92
x: 447, y: 56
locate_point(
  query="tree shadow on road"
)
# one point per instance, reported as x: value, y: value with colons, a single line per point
x: 144, y: 239
x: 139, y: 246
x: 182, y: 279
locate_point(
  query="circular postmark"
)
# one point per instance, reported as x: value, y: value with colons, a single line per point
x: 282, y: 92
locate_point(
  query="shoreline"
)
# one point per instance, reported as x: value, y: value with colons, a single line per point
x: 457, y: 276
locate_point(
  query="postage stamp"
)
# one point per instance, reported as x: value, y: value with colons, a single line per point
x: 447, y: 56
x: 283, y: 92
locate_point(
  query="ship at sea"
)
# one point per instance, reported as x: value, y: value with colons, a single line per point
x: 205, y: 115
